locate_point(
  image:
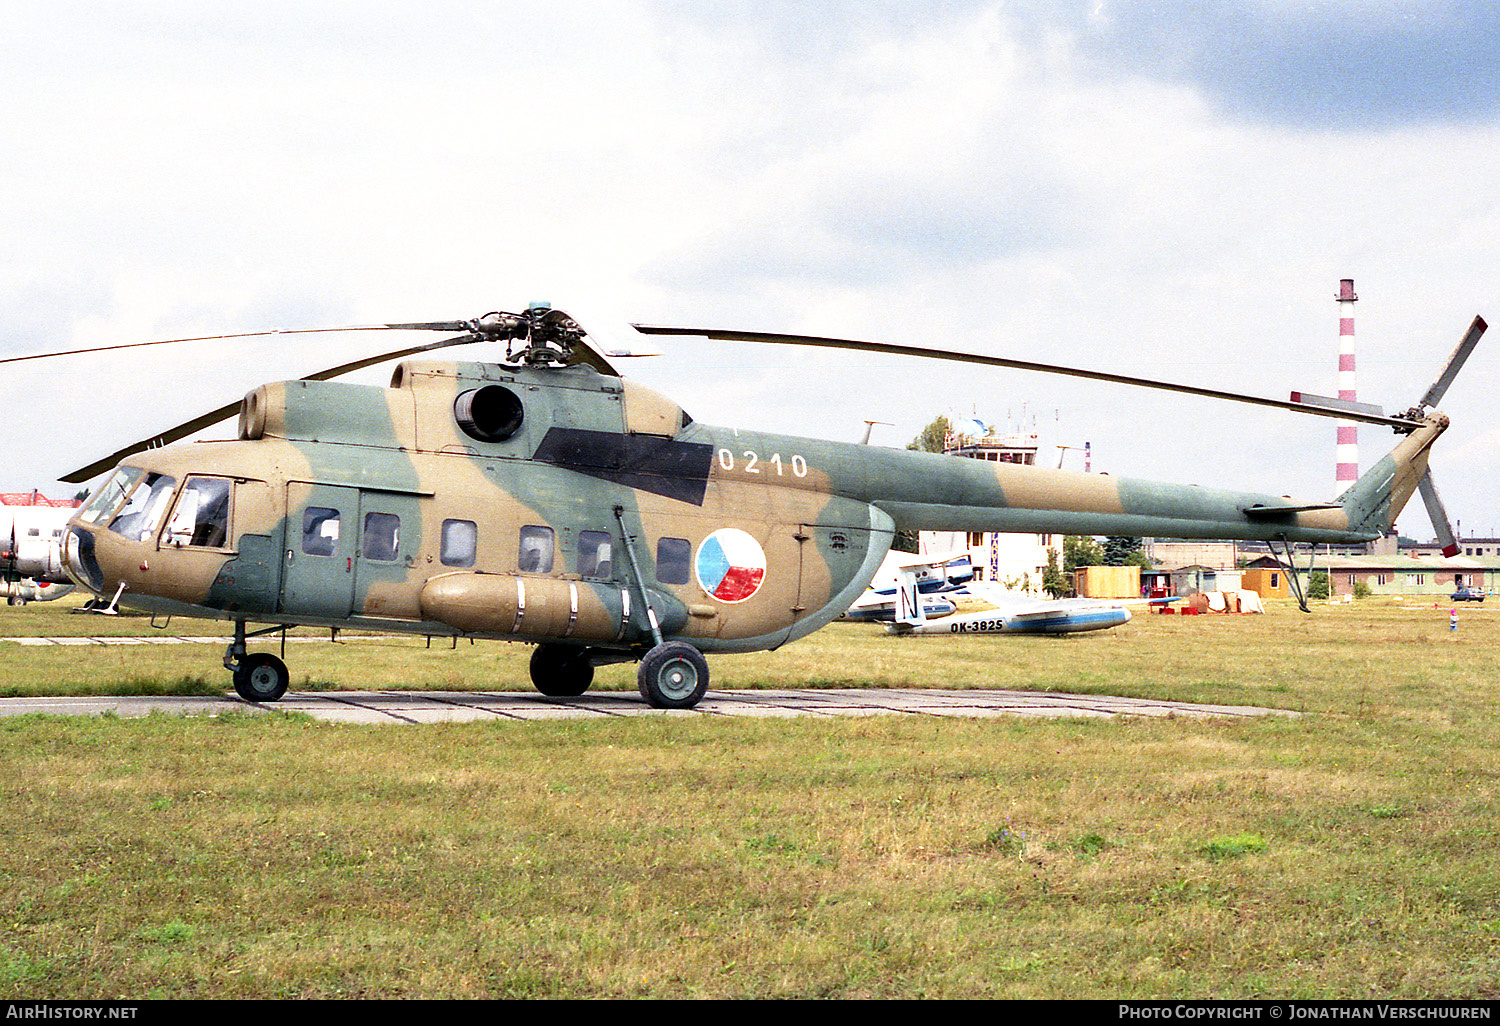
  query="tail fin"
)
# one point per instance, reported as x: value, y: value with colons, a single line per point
x: 1375, y: 501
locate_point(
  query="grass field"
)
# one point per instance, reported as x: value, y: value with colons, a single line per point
x: 1348, y: 852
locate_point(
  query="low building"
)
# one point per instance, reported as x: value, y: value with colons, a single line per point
x: 1476, y: 547
x: 1190, y: 552
x: 1197, y: 577
x: 1425, y: 577
x: 1267, y: 582
x: 37, y: 499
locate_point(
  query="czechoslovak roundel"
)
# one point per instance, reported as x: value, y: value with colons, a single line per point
x: 731, y: 565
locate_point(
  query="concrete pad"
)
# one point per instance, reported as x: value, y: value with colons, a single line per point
x: 418, y: 707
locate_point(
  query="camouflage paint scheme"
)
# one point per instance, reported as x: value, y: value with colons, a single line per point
x: 596, y: 453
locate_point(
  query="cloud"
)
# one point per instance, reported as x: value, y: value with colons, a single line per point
x: 1340, y: 65
x: 1330, y: 64
x: 927, y: 154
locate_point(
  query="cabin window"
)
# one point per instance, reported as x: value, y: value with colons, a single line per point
x: 382, y: 536
x: 673, y: 557
x: 595, y: 554
x: 141, y: 515
x: 537, y: 547
x: 201, y: 518
x: 460, y: 542
x: 320, y: 530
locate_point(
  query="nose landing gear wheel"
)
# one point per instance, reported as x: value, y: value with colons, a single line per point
x: 673, y: 675
x: 261, y: 677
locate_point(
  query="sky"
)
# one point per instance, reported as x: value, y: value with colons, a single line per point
x: 1166, y: 189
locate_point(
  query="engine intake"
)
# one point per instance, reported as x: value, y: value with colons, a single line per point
x: 492, y: 413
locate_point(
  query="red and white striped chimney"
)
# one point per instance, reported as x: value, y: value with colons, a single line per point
x: 1348, y: 433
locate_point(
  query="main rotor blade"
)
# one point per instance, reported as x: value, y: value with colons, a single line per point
x: 1028, y: 365
x: 228, y: 410
x: 370, y: 361
x: 1441, y: 526
x: 428, y: 326
x: 1455, y: 363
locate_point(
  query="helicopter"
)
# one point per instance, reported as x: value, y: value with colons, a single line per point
x: 31, y: 548
x: 545, y: 498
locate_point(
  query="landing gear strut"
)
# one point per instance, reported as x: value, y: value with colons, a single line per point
x: 260, y: 677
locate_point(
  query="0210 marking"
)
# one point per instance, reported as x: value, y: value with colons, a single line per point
x: 753, y: 462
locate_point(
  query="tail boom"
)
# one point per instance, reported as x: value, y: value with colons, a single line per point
x: 926, y: 492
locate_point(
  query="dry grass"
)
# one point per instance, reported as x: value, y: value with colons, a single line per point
x: 1345, y: 853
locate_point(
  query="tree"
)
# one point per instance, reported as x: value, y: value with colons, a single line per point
x: 1053, y: 581
x: 933, y: 436
x: 1317, y: 585
x: 1120, y: 551
x: 1080, y: 550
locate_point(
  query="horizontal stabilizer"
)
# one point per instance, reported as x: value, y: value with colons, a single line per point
x: 1272, y: 512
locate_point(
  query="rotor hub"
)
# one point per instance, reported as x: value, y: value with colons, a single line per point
x: 540, y: 337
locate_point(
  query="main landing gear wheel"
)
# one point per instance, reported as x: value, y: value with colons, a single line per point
x: 261, y: 678
x: 673, y: 675
x: 561, y: 671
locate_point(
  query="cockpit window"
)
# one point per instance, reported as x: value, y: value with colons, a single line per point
x: 141, y: 515
x: 108, y: 495
x: 201, y: 518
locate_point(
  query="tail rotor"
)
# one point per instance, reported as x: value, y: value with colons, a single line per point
x: 1442, y: 527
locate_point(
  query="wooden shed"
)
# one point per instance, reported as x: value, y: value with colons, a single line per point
x: 1107, y: 582
x: 1267, y: 582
